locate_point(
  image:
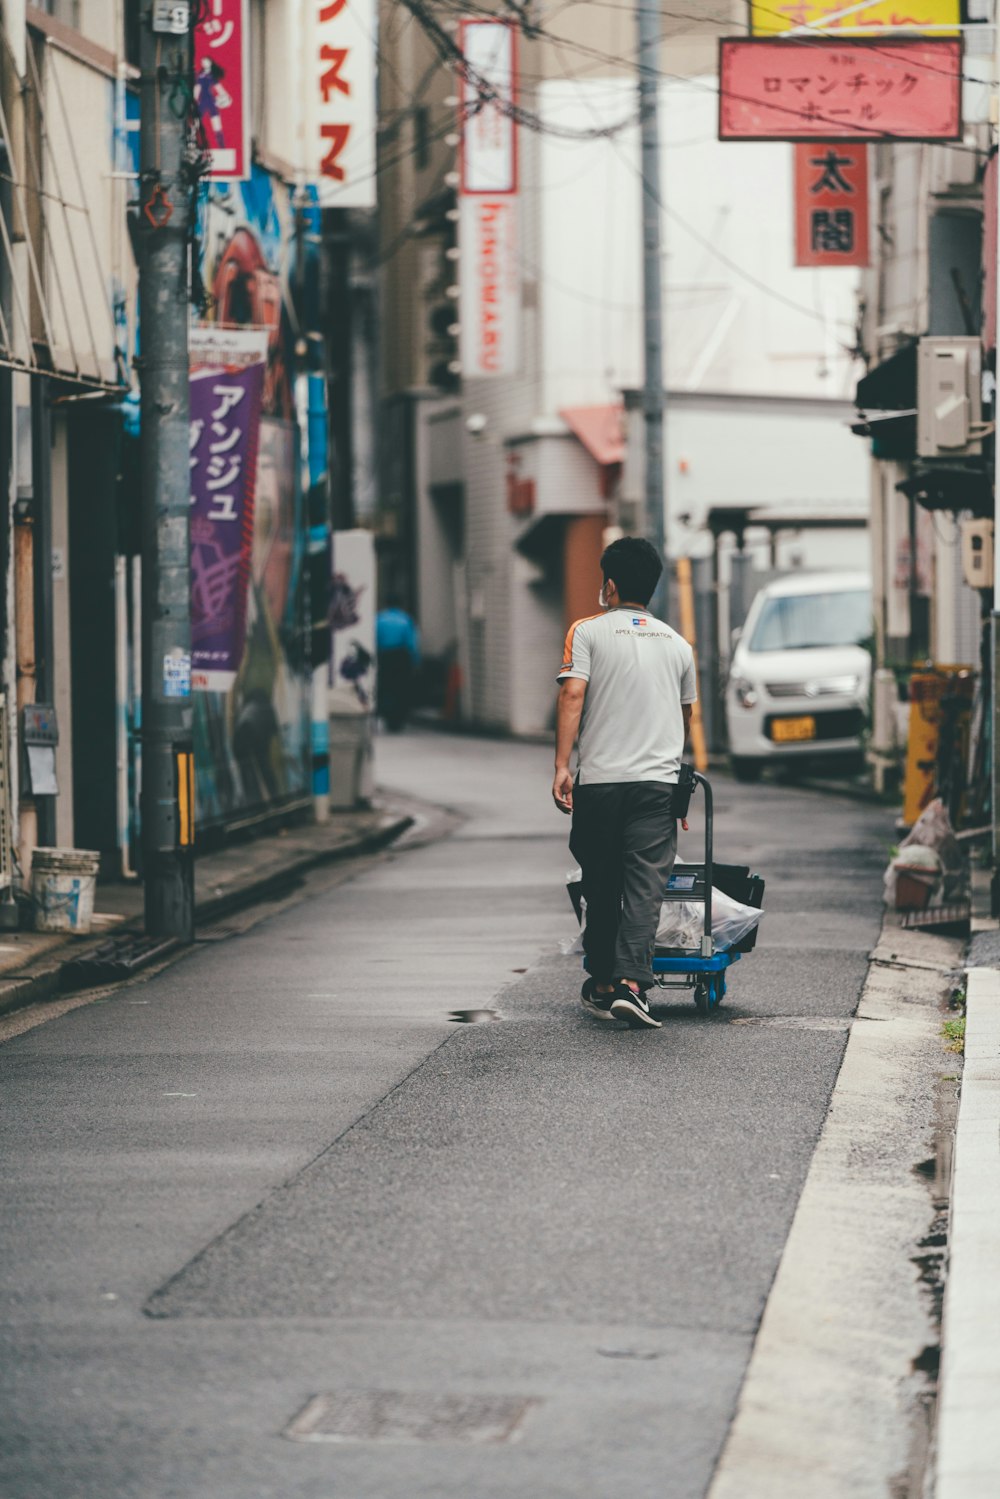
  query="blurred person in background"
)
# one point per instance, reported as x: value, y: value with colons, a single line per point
x: 397, y: 642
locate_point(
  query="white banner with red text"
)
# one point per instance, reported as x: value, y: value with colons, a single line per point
x: 337, y: 150
x: 489, y: 287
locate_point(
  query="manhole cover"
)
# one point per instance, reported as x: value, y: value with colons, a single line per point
x: 389, y: 1416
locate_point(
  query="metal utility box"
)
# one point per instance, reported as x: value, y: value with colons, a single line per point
x: 40, y: 735
x: 949, y: 398
x: 977, y: 553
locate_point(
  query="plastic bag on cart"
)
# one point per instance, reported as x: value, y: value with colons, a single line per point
x: 682, y: 922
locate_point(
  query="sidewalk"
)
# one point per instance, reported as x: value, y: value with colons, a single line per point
x: 33, y: 964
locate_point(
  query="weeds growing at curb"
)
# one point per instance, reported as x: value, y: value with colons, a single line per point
x: 953, y: 1032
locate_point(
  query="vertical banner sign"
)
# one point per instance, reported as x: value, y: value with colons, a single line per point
x: 489, y: 282
x: 340, y: 101
x: 831, y: 204
x: 222, y: 87
x: 227, y: 387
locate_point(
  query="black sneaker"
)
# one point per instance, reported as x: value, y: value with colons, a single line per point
x: 627, y: 1005
x: 598, y: 1005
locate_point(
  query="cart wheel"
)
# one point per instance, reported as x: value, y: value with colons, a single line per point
x: 703, y: 996
x: 721, y: 988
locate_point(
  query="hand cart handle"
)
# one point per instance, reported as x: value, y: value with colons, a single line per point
x: 706, y: 941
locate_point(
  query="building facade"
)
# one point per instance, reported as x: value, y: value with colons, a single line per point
x: 263, y: 256
x: 503, y: 490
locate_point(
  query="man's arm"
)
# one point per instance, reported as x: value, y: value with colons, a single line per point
x: 568, y: 710
x: 686, y: 709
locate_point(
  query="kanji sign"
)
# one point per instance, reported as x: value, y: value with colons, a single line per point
x: 909, y: 88
x: 227, y: 384
x: 777, y: 17
x: 339, y: 103
x: 222, y: 87
x: 831, y: 204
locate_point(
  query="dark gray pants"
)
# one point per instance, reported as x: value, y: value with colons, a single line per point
x: 625, y: 837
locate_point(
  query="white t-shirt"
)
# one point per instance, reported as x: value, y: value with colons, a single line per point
x: 639, y: 671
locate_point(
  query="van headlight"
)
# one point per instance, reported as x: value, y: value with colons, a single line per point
x: 746, y: 692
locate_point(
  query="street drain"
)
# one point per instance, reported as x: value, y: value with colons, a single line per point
x: 474, y: 1017
x: 646, y: 1355
x: 393, y: 1416
x: 797, y: 1022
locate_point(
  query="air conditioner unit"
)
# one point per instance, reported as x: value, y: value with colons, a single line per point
x: 949, y: 398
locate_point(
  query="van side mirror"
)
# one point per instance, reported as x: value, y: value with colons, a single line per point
x: 734, y: 636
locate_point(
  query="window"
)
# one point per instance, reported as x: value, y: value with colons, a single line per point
x: 62, y: 10
x: 802, y: 621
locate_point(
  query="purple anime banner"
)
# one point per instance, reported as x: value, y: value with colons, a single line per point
x: 227, y: 387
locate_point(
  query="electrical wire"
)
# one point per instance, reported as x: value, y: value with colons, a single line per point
x: 635, y: 64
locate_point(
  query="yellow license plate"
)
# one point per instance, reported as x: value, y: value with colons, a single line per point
x: 784, y: 730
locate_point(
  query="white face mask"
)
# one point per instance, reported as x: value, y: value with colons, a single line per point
x: 602, y: 602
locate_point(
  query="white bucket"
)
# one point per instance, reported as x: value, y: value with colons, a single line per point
x: 63, y: 882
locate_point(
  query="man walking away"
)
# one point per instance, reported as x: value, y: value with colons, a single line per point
x: 628, y: 682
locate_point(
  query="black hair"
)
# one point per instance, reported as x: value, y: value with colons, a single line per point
x: 633, y: 565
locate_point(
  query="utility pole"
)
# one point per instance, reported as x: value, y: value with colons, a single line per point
x: 648, y: 14
x: 167, y: 757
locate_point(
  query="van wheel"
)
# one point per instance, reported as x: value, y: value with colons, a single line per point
x: 746, y: 770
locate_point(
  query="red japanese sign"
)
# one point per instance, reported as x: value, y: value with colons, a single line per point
x: 802, y: 89
x: 221, y: 87
x: 831, y: 204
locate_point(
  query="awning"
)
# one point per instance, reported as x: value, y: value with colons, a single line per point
x: 950, y: 487
x: 60, y: 320
x: 601, y: 429
x: 891, y: 385
x: 737, y: 519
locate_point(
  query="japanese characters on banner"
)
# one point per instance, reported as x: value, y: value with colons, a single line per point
x: 490, y: 282
x: 907, y: 88
x: 222, y: 87
x: 831, y: 204
x: 339, y: 101
x: 227, y: 387
x: 777, y: 17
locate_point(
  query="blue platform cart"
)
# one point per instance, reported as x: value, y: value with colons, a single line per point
x: 703, y: 971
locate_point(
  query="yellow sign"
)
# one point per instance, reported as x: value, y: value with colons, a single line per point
x: 851, y: 18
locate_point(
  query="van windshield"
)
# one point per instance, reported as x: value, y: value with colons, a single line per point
x: 800, y: 621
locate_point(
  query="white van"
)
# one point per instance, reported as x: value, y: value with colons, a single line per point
x: 799, y: 680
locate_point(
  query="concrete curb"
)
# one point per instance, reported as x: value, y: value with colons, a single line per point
x: 831, y: 1401
x: 43, y: 980
x: 968, y: 1440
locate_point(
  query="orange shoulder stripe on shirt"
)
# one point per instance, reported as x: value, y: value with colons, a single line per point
x: 568, y: 647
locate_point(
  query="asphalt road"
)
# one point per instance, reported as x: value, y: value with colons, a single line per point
x: 278, y: 1170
